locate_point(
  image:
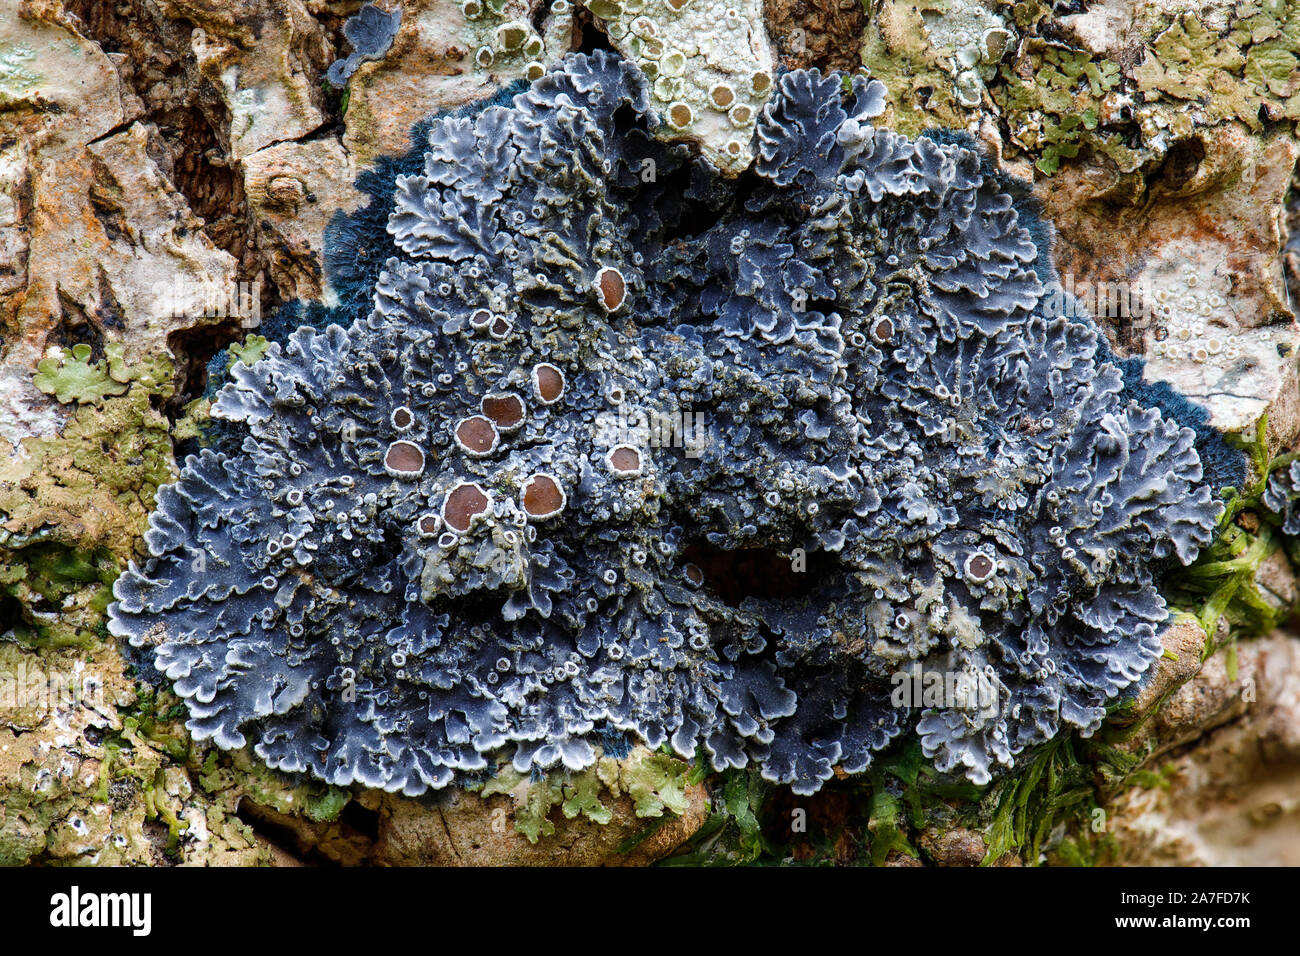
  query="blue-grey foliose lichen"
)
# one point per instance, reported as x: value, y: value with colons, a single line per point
x: 1282, y: 496
x: 371, y: 32
x: 425, y: 550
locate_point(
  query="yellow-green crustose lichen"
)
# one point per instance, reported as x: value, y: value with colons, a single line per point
x: 949, y: 63
x: 972, y: 40
x: 1250, y: 69
x: 72, y: 505
x: 17, y: 75
x: 502, y: 37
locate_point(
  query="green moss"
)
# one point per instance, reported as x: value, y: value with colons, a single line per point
x: 732, y: 834
x: 885, y: 822
x: 327, y: 805
x: 1222, y: 582
x: 1029, y: 804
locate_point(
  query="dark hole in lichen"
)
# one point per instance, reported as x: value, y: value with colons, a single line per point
x: 109, y: 216
x: 757, y: 572
x: 614, y: 743
x: 11, y: 615
x: 192, y: 122
x: 626, y: 118
x: 593, y: 38
x: 685, y: 216
x: 362, y: 819
x: 824, y: 306
x: 1065, y: 8
x: 284, y: 838
x: 538, y: 19
x: 195, y: 349
x: 835, y: 825
x: 159, y: 838
x: 1181, y: 163
x: 75, y: 327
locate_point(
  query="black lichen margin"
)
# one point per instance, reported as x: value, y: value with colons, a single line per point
x: 438, y: 538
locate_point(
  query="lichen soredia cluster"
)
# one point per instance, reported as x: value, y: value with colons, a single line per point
x: 416, y: 555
